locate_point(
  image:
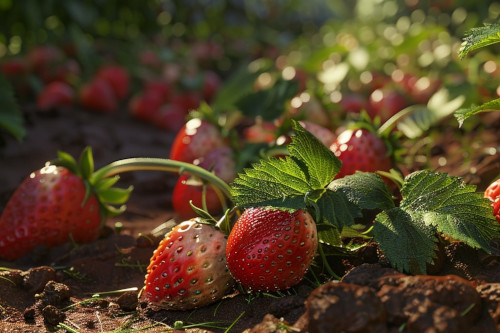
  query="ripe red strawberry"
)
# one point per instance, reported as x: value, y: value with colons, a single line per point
x: 195, y: 139
x: 52, y: 204
x: 188, y: 269
x: 322, y: 133
x: 118, y: 78
x: 270, y: 249
x: 170, y: 117
x: 493, y: 193
x: 385, y: 102
x: 145, y: 106
x: 221, y: 162
x: 54, y: 95
x: 191, y: 189
x: 360, y: 150
x: 98, y: 95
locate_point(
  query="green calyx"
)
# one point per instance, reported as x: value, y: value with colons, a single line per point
x: 111, y: 199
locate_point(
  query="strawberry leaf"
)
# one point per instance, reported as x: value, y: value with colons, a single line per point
x: 269, y: 103
x: 407, y: 242
x: 366, y: 190
x: 285, y: 182
x: 433, y: 202
x: 480, y: 37
x: 462, y: 114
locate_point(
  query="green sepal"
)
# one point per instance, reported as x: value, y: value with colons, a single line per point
x: 86, y: 163
x: 115, y: 195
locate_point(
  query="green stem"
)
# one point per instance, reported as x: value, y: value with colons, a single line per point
x: 162, y: 164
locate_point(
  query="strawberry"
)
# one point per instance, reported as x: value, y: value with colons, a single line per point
x: 54, y: 204
x: 493, y: 193
x: 360, y: 150
x: 98, y: 95
x: 322, y: 133
x: 54, y: 95
x: 170, y: 117
x: 221, y: 162
x: 188, y: 269
x: 191, y: 189
x: 195, y: 139
x: 270, y: 249
x: 385, y: 102
x: 145, y: 106
x: 118, y: 78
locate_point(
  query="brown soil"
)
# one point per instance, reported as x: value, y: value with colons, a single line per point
x: 60, y: 284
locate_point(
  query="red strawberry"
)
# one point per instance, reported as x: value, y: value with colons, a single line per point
x: 188, y: 269
x: 270, y: 249
x: 211, y: 84
x: 170, y: 117
x: 261, y: 131
x: 159, y: 87
x: 385, y: 103
x: 50, y: 205
x: 98, y: 95
x: 322, y: 133
x: 54, y: 95
x: 493, y: 193
x: 221, y: 162
x: 360, y: 150
x: 118, y: 78
x: 191, y: 189
x: 195, y: 139
x: 145, y: 106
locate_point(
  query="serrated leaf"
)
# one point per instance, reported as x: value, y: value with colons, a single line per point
x: 463, y: 114
x: 11, y: 118
x: 434, y: 202
x: 338, y: 210
x: 480, y: 37
x: 452, y: 207
x: 364, y: 189
x: 271, y: 180
x: 321, y: 164
x: 406, y: 242
x: 285, y: 182
x: 269, y: 104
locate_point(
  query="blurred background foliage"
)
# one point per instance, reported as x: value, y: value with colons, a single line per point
x: 341, y: 46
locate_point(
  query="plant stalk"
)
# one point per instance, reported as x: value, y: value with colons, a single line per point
x: 163, y: 164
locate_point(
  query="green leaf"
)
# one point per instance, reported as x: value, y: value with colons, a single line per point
x: 269, y: 103
x: 364, y: 189
x: 86, y: 163
x: 463, y: 114
x: 329, y: 235
x: 239, y: 85
x: 338, y: 210
x: 321, y: 164
x: 480, y: 37
x: 406, y: 242
x: 11, y: 118
x: 434, y: 202
x: 286, y: 182
x: 422, y: 117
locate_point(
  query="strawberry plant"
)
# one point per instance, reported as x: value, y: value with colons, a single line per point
x: 432, y: 203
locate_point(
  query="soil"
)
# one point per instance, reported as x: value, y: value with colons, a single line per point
x: 68, y: 284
